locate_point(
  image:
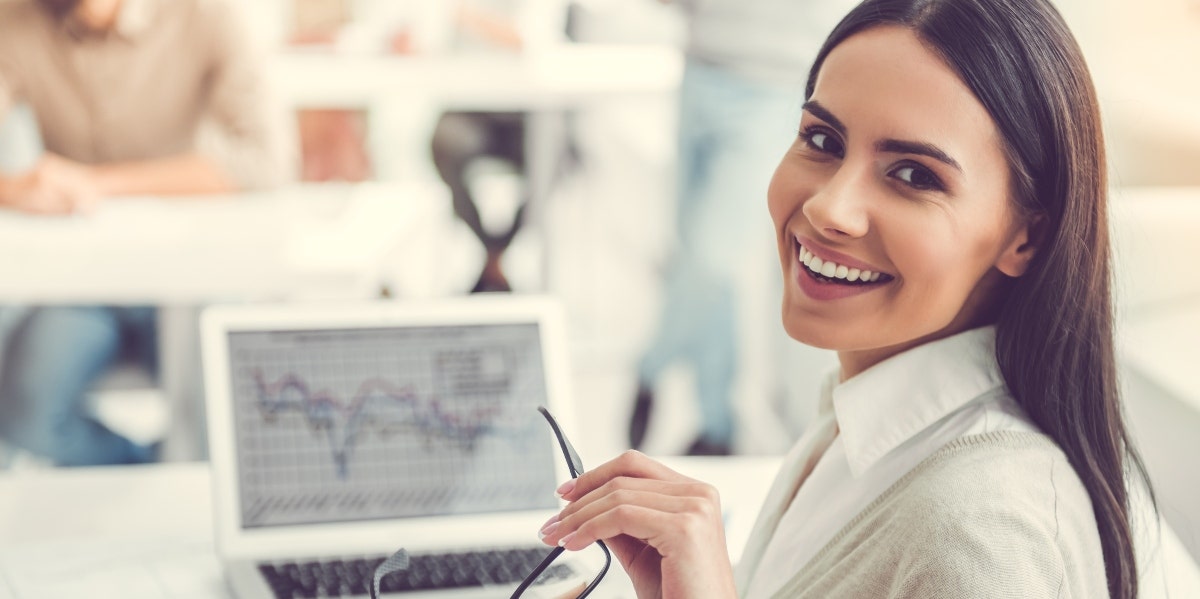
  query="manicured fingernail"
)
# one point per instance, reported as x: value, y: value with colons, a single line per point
x: 548, y: 530
x: 567, y: 539
x: 566, y: 488
x: 552, y: 520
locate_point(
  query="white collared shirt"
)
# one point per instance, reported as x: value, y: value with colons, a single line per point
x: 873, y: 429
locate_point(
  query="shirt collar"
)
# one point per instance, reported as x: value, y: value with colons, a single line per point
x: 895, y: 400
x: 135, y: 17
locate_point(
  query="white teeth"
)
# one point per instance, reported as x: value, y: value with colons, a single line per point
x: 834, y: 270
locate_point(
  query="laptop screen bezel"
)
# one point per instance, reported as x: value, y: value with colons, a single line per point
x: 234, y: 541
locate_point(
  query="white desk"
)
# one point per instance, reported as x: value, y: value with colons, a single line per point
x: 326, y: 241
x: 297, y: 242
x: 146, y: 531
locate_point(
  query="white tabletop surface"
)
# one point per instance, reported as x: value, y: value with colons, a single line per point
x: 298, y: 241
x: 146, y: 531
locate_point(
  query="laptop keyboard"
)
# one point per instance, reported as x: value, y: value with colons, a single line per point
x: 352, y: 577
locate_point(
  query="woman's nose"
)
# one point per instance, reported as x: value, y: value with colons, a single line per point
x: 838, y: 209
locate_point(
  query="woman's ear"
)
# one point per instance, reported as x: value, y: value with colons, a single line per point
x: 1026, y: 240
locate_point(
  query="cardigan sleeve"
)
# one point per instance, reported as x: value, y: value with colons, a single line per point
x: 1021, y: 540
x: 983, y: 558
x: 992, y: 516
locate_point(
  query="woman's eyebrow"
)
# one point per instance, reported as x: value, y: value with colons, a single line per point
x: 899, y: 146
x: 893, y: 146
x: 823, y: 113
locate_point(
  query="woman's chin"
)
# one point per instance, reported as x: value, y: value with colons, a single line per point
x: 803, y: 331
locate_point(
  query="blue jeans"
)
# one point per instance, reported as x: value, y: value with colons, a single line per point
x: 732, y: 134
x: 53, y: 358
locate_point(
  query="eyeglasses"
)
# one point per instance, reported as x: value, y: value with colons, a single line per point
x: 399, y: 561
x: 575, y: 465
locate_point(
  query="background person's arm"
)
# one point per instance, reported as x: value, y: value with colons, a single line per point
x: 53, y: 186
x: 243, y: 143
x: 175, y: 175
x: 246, y: 139
x: 42, y: 188
x: 57, y: 185
x: 10, y: 185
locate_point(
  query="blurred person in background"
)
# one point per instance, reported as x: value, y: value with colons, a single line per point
x: 131, y: 97
x: 745, y: 62
x: 334, y: 141
x: 462, y: 140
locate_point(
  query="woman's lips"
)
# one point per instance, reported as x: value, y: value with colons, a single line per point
x: 842, y: 281
x: 835, y: 265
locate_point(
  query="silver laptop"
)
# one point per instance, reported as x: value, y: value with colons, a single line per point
x: 341, y: 433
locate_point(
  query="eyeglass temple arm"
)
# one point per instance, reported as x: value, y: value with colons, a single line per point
x: 533, y: 576
x: 569, y: 454
x: 553, y: 555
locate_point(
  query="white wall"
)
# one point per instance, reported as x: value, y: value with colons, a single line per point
x: 1145, y: 57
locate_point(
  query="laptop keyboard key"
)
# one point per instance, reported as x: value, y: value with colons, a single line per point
x: 347, y: 577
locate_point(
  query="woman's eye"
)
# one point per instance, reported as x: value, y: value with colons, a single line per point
x: 917, y: 177
x: 822, y: 142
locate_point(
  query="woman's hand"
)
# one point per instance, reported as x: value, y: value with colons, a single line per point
x: 665, y: 528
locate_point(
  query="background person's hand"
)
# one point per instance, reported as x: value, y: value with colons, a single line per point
x: 55, y: 185
x: 665, y: 528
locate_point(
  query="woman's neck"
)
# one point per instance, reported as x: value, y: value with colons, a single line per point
x: 981, y: 308
x: 854, y: 362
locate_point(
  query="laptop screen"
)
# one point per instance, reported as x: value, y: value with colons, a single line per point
x: 361, y: 424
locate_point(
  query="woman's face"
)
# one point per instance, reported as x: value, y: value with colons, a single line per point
x: 897, y: 191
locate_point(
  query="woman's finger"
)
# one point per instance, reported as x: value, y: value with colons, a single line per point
x: 626, y: 484
x: 606, y: 518
x: 633, y: 464
x: 673, y: 534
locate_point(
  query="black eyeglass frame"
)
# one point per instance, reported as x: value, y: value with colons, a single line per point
x: 575, y: 465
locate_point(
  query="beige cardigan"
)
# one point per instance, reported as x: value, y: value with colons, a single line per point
x: 994, y: 515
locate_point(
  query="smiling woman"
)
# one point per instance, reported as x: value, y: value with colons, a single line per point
x: 875, y: 182
x: 941, y: 224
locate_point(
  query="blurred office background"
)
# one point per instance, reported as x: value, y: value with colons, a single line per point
x: 599, y: 225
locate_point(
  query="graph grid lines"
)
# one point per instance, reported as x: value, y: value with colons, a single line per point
x: 383, y: 423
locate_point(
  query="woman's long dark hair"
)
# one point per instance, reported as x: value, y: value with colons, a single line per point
x: 1054, y: 331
